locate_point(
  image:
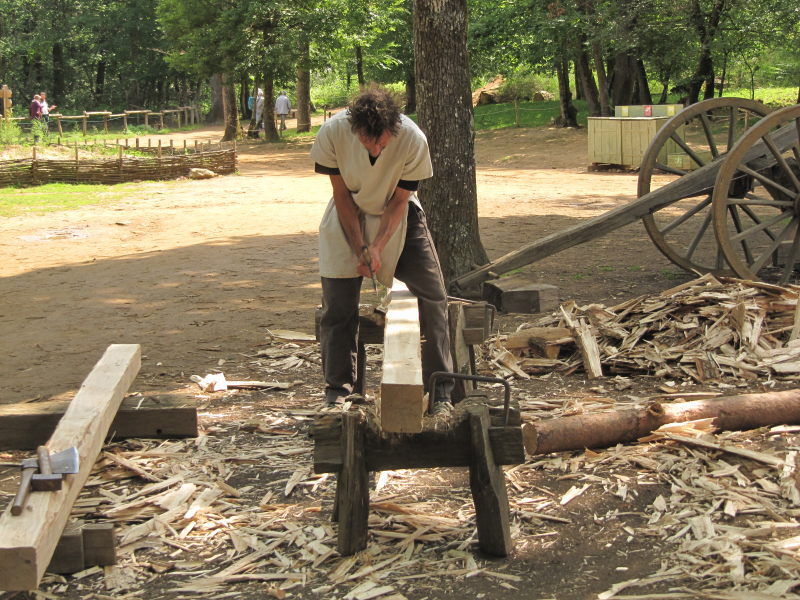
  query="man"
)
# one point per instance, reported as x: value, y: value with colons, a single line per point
x: 375, y: 158
x: 259, y: 109
x: 46, y: 108
x: 35, y: 113
x: 282, y: 108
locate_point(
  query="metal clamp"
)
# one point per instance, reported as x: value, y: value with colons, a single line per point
x: 445, y: 375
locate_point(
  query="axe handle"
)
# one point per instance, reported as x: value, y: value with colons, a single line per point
x: 22, y: 492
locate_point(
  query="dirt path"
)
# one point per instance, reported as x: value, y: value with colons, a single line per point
x: 198, y: 271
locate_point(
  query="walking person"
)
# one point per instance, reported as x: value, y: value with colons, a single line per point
x: 35, y: 113
x: 282, y: 108
x: 46, y: 108
x: 375, y: 158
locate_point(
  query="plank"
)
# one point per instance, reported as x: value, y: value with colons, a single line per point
x: 27, y: 541
x: 488, y: 485
x: 401, y: 405
x: 352, y: 488
x: 26, y: 426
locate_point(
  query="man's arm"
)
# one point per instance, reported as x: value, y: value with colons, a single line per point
x: 390, y: 220
x: 351, y: 223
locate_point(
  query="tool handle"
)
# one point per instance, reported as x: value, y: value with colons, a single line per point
x: 22, y: 492
x: 43, y: 455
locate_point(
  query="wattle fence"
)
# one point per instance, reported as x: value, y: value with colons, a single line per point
x: 166, y: 162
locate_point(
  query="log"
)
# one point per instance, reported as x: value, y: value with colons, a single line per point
x: 601, y: 430
x: 27, y: 541
x: 26, y: 426
x: 402, y: 404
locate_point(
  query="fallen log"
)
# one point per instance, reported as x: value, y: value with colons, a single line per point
x: 601, y: 430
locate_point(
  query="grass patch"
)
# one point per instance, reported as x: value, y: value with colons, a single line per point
x: 56, y: 197
x: 671, y: 275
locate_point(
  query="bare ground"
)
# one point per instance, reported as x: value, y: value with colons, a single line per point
x: 200, y: 272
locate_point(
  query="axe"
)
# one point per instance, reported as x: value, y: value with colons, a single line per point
x: 44, y: 473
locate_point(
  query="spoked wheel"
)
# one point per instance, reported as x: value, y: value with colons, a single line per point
x: 700, y: 134
x: 758, y: 232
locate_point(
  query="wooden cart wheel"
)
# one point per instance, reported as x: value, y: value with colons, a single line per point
x: 700, y: 134
x: 758, y: 232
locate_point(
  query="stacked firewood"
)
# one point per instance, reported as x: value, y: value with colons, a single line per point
x: 706, y: 330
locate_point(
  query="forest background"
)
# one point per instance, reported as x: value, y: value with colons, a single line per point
x: 135, y: 54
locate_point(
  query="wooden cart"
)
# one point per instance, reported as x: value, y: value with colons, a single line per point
x: 726, y: 199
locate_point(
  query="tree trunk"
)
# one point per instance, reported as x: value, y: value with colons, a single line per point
x: 229, y: 108
x: 601, y: 430
x: 643, y: 95
x: 217, y: 112
x: 99, y: 81
x: 411, y: 94
x: 360, y: 66
x: 270, y: 130
x: 602, y: 81
x: 706, y: 25
x: 444, y: 111
x: 303, y: 87
x: 622, y: 88
x: 244, y: 95
x: 569, y: 115
x: 583, y: 72
x: 579, y: 92
x: 58, y: 73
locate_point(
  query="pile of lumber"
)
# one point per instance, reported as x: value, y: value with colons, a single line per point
x: 703, y: 331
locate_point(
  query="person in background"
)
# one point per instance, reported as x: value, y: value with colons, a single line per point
x: 35, y: 113
x: 282, y: 108
x: 260, y: 109
x: 46, y: 108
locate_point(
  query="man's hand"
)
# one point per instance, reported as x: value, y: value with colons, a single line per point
x: 373, y: 254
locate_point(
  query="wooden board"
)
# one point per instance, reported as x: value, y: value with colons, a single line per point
x: 27, y: 541
x: 402, y: 405
x: 26, y: 426
x: 433, y: 447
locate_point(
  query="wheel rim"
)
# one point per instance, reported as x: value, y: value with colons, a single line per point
x: 758, y: 233
x: 702, y: 133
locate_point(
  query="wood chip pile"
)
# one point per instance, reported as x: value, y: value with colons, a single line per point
x: 237, y: 512
x: 705, y: 331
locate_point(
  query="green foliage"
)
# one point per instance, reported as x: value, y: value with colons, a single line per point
x: 10, y: 132
x: 522, y: 84
x: 531, y: 114
x: 332, y: 91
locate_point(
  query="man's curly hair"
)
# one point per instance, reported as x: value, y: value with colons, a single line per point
x: 372, y: 112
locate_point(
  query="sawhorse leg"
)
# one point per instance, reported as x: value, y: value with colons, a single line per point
x: 361, y: 369
x: 352, y: 488
x: 488, y: 485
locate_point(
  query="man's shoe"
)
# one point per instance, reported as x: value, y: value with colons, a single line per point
x: 332, y: 395
x: 442, y: 408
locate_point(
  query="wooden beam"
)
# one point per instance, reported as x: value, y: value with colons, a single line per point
x: 432, y: 447
x: 27, y: 541
x: 26, y: 426
x: 402, y: 404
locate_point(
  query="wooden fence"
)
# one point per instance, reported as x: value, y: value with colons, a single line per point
x: 168, y: 162
x: 183, y: 115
